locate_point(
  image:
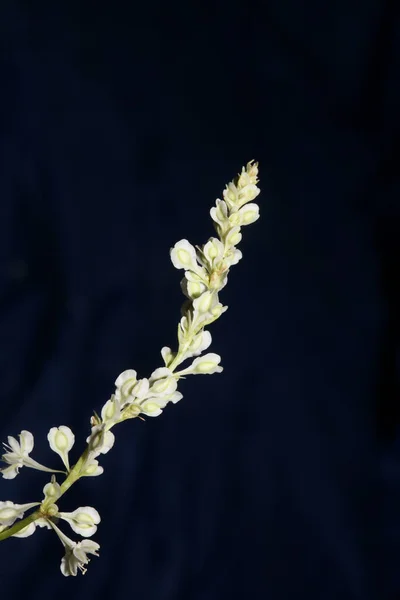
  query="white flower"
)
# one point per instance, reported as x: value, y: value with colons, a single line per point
x: 152, y: 407
x: 231, y: 195
x: 17, y: 456
x: 204, y: 303
x: 183, y: 256
x: 162, y: 383
x: 52, y: 490
x: 31, y: 528
x: 111, y: 411
x: 75, y: 553
x: 61, y: 439
x: 207, y: 364
x: 124, y: 384
x: 100, y: 440
x: 10, y: 512
x: 232, y: 257
x: 168, y: 355
x: 83, y: 520
x: 219, y: 214
x: 192, y: 289
x: 233, y: 237
x: 26, y: 531
x: 91, y: 468
x: 247, y: 194
x: 199, y: 343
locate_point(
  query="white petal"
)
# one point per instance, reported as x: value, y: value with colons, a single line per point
x: 160, y: 373
x: 207, y: 364
x: 92, y: 469
x: 152, y: 407
x: 249, y: 214
x: 167, y: 355
x: 26, y: 442
x: 61, y: 439
x: 175, y: 397
x: 200, y: 343
x: 183, y: 256
x: 83, y: 520
x: 26, y: 531
x: 52, y: 490
x: 10, y: 472
x: 141, y: 388
x: 125, y: 376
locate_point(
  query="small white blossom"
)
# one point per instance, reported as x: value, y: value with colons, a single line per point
x: 199, y: 343
x: 111, y: 411
x: 61, y: 439
x: 207, y: 364
x: 17, y: 456
x: 152, y: 407
x: 141, y: 388
x: 31, y: 528
x: 52, y: 490
x: 230, y: 194
x: 75, y: 553
x: 192, y: 289
x: 205, y: 302
x: 162, y: 382
x: 168, y: 355
x: 83, y: 520
x: 247, y: 194
x: 233, y: 256
x: 183, y: 256
x: 10, y: 512
x: 124, y: 384
x: 233, y: 237
x: 91, y: 468
x: 100, y: 440
x: 219, y: 215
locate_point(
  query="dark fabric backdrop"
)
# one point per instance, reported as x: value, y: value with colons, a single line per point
x: 120, y: 124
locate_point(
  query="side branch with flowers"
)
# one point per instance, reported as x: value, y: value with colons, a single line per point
x: 206, y: 271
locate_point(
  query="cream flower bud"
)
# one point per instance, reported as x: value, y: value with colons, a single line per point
x: 168, y: 355
x: 124, y: 383
x: 219, y: 214
x: 249, y: 213
x: 153, y: 406
x: 231, y: 195
x: 111, y: 411
x: 213, y: 252
x: 205, y: 302
x: 141, y: 388
x: 83, y: 520
x: 61, y: 439
x: 247, y: 194
x: 183, y: 256
x: 207, y: 364
x: 91, y: 468
x: 200, y: 343
x: 233, y: 237
x: 233, y: 256
x: 52, y: 490
x: 192, y: 289
x: 100, y: 440
x: 162, y: 382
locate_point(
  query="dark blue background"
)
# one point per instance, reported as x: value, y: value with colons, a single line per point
x: 120, y: 124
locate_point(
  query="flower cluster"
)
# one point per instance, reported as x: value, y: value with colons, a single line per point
x: 206, y: 271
